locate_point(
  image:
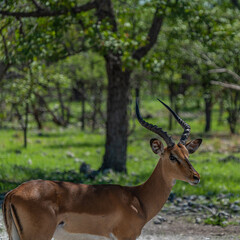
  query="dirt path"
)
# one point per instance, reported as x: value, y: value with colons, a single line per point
x: 175, y: 229
x: 183, y: 229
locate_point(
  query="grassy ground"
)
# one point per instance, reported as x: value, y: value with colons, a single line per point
x: 57, y: 153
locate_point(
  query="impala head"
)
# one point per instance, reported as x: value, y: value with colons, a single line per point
x: 175, y: 157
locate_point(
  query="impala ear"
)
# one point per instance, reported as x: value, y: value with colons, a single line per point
x: 192, y: 146
x: 157, y: 146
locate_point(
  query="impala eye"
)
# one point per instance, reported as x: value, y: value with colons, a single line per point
x: 171, y: 157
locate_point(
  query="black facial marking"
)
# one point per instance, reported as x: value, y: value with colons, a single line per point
x: 172, y: 158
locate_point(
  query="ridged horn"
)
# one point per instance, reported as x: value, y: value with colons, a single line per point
x: 184, y: 125
x: 168, y: 139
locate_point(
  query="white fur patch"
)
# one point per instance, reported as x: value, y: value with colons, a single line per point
x: 14, y: 233
x: 61, y: 234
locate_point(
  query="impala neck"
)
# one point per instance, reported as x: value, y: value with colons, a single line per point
x: 155, y: 191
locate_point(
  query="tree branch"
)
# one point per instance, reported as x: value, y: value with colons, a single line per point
x: 3, y: 69
x: 219, y: 69
x: 37, y: 5
x: 5, y: 46
x: 10, y: 75
x: 4, y: 66
x: 226, y: 85
x: 225, y: 70
x: 19, y: 116
x: 49, y: 13
x: 105, y: 10
x: 152, y: 36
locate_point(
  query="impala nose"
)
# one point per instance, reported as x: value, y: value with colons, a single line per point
x: 196, y: 179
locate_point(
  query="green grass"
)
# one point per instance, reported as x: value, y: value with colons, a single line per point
x: 57, y: 153
x: 47, y: 156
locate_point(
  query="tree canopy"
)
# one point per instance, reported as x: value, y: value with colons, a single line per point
x: 65, y: 50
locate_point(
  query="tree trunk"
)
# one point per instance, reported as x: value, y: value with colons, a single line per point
x: 208, y: 112
x: 3, y: 69
x: 25, y: 127
x: 60, y: 99
x: 221, y: 110
x: 83, y: 107
x: 208, y: 103
x: 95, y: 108
x: 77, y: 91
x: 233, y: 111
x: 37, y: 113
x: 117, y: 119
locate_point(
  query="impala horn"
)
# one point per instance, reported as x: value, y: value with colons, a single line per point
x: 184, y: 125
x: 168, y: 139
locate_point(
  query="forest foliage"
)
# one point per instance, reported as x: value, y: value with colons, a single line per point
x: 56, y: 55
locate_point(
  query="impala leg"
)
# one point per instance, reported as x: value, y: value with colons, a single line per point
x: 39, y: 224
x: 112, y: 237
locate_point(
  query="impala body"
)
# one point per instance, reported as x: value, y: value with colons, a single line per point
x: 42, y: 210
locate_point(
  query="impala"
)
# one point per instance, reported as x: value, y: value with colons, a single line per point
x: 42, y: 210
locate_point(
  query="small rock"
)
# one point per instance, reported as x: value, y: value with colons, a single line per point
x: 211, y: 205
x: 225, y: 201
x: 237, y: 202
x: 224, y: 223
x: 98, y: 151
x: 18, y: 151
x: 178, y: 200
x: 87, y: 153
x: 193, y: 197
x: 171, y: 197
x: 85, y: 168
x: 70, y: 154
x: 235, y: 208
x: 223, y: 214
x: 185, y: 205
x: 136, y: 159
x: 93, y: 174
x: 202, y: 197
x: 78, y: 160
x: 107, y: 171
x: 159, y: 220
x: 194, y: 210
x: 220, y: 234
x: 190, y: 204
x: 198, y: 220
